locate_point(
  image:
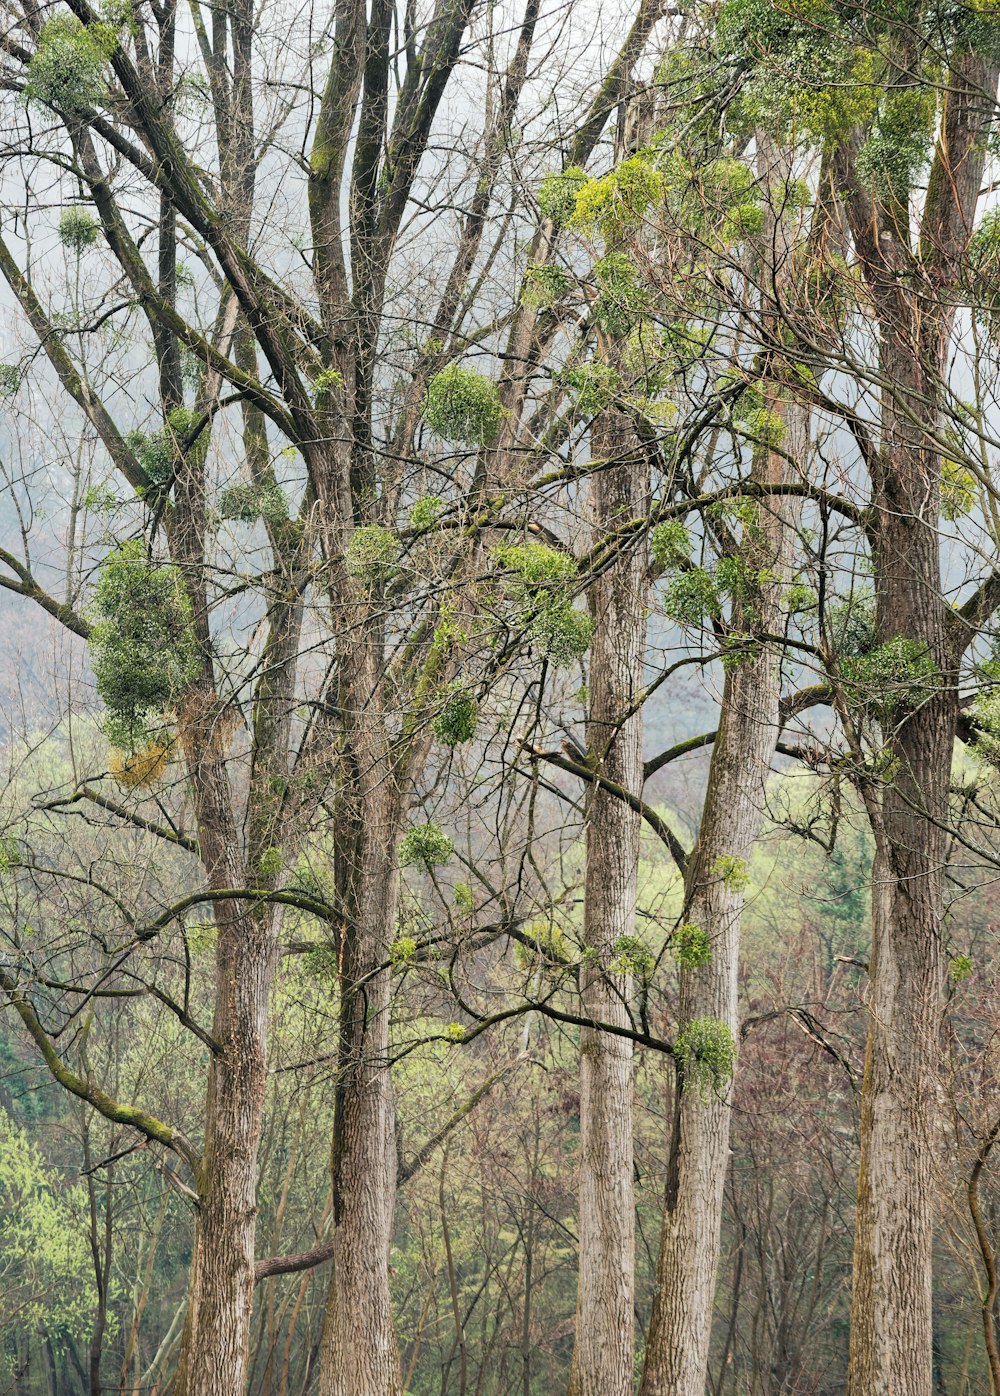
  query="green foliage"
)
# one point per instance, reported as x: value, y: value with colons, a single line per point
x: 454, y: 1032
x: 731, y: 871
x: 372, y: 553
x: 960, y: 967
x: 630, y: 956
x: 958, y: 490
x: 326, y: 382
x: 66, y: 71
x: 425, y: 846
x: 426, y: 512
x: 464, y: 406
x: 892, y: 678
x: 983, y: 271
x: 619, y: 202
x: 464, y: 900
x: 670, y: 544
x: 402, y: 951
x: 622, y: 301
x: 458, y: 719
x: 546, y: 611
x: 77, y: 230
x: 544, y: 285
x: 706, y: 1053
x: 692, y: 598
x: 10, y: 854
x: 762, y: 425
x: 11, y: 376
x: 270, y: 863
x: 47, y: 1266
x: 595, y: 386
x: 557, y: 193
x: 142, y: 644
x: 248, y: 502
x: 691, y: 945
x: 899, y: 147
x: 562, y: 632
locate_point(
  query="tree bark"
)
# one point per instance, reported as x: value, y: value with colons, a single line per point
x: 359, y: 1355
x: 681, y: 1320
x: 604, y: 1360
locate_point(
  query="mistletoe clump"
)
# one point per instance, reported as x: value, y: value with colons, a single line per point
x: 463, y: 406
x: 892, y: 678
x: 620, y: 202
x: 426, y: 512
x: 141, y: 770
x: 622, y: 301
x: 595, y: 386
x: 458, y: 719
x: 691, y: 945
x: 160, y: 452
x: 66, y: 70
x: 537, y: 582
x: 142, y: 644
x: 425, y: 846
x: 544, y: 285
x: 77, y: 230
x: 670, y: 544
x: 245, y: 503
x: 557, y: 193
x: 706, y: 1053
x: 899, y: 148
x: 372, y: 553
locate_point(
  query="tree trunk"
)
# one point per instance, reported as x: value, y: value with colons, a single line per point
x: 604, y: 1361
x: 891, y: 1305
x: 359, y: 1354
x: 681, y: 1319
x: 217, y: 1333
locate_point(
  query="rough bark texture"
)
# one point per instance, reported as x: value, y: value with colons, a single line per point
x: 891, y: 1329
x: 359, y: 1354
x: 681, y: 1320
x: 604, y: 1358
x: 891, y: 1310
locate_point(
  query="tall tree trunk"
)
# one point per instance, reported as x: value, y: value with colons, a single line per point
x: 900, y: 1122
x: 681, y: 1319
x: 359, y: 1355
x: 217, y: 1336
x: 604, y: 1361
